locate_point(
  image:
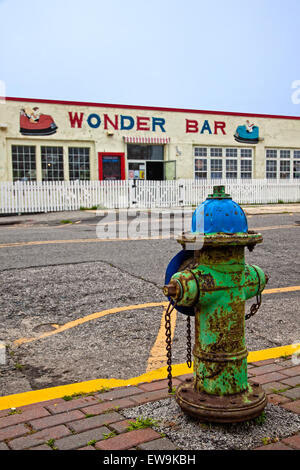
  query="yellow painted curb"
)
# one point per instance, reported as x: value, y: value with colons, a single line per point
x: 37, y: 396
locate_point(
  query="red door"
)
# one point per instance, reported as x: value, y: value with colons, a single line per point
x: 111, y: 166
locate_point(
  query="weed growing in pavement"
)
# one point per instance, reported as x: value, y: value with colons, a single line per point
x: 109, y: 435
x: 260, y: 420
x: 141, y: 423
x: 92, y: 442
x: 78, y: 395
x: 66, y: 222
x: 104, y: 389
x: 50, y: 443
x: 14, y: 411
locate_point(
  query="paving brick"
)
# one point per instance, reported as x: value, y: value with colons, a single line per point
x: 293, y: 393
x: 3, y: 446
x: 277, y: 399
x: 275, y: 446
x: 94, y: 422
x: 158, y: 444
x: 87, y: 448
x: 41, y: 403
x: 292, y: 381
x: 41, y: 447
x: 25, y: 416
x: 128, y: 440
x: 107, y: 405
x: 13, y: 431
x: 262, y: 363
x: 158, y: 385
x: 274, y: 387
x: 118, y: 393
x: 182, y: 378
x: 75, y: 441
x: 264, y: 378
x: 54, y: 420
x: 266, y: 369
x: 292, y: 371
x: 121, y: 426
x: 293, y: 406
x: 150, y: 396
x: 293, y: 441
x: 74, y: 404
x: 40, y: 437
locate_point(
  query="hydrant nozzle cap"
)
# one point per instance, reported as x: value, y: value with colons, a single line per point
x: 172, y: 290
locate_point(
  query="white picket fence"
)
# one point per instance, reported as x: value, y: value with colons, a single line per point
x: 22, y: 197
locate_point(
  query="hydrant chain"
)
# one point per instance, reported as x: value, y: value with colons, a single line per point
x: 169, y: 343
x: 254, y: 308
x: 189, y: 344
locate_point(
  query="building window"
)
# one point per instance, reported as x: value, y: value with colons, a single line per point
x: 246, y: 169
x: 296, y: 169
x: 231, y: 153
x: 231, y: 169
x: 52, y: 163
x: 246, y: 153
x: 200, y: 152
x: 271, y: 169
x: 79, y: 163
x: 219, y: 162
x: 200, y: 168
x: 23, y: 163
x: 145, y: 152
x: 282, y: 164
x: 285, y: 169
x: 216, y: 168
x: 216, y: 152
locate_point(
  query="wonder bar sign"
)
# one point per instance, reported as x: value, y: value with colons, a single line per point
x: 118, y: 122
x: 142, y: 123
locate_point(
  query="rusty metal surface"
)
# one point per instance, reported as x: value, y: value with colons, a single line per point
x: 221, y: 409
x: 250, y: 239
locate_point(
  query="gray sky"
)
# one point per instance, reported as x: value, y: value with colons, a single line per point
x: 215, y: 55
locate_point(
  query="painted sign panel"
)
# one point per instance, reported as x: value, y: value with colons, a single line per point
x: 248, y: 133
x: 33, y: 122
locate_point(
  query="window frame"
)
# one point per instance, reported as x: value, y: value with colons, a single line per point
x: 31, y: 163
x: 284, y: 162
x: 234, y: 155
x: 84, y: 170
x: 59, y: 169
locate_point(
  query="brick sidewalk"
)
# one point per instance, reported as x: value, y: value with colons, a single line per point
x: 94, y: 422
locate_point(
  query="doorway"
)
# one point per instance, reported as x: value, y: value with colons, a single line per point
x: 111, y: 166
x: 155, y: 170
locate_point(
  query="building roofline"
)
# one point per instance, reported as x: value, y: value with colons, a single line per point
x: 149, y: 108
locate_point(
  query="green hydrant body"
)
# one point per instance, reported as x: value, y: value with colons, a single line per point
x: 215, y: 283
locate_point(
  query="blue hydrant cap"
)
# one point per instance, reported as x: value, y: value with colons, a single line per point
x: 219, y: 214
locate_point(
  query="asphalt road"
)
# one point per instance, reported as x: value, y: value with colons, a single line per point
x: 57, y: 279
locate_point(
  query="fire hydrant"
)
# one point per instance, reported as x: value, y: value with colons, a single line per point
x: 212, y: 283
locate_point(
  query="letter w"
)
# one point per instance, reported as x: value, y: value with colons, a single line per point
x: 76, y: 120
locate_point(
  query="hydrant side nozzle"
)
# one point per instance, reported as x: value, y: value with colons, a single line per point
x: 173, y: 289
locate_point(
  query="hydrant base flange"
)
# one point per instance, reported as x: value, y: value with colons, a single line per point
x: 221, y: 408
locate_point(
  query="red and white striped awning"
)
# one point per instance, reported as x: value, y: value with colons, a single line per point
x: 147, y: 140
